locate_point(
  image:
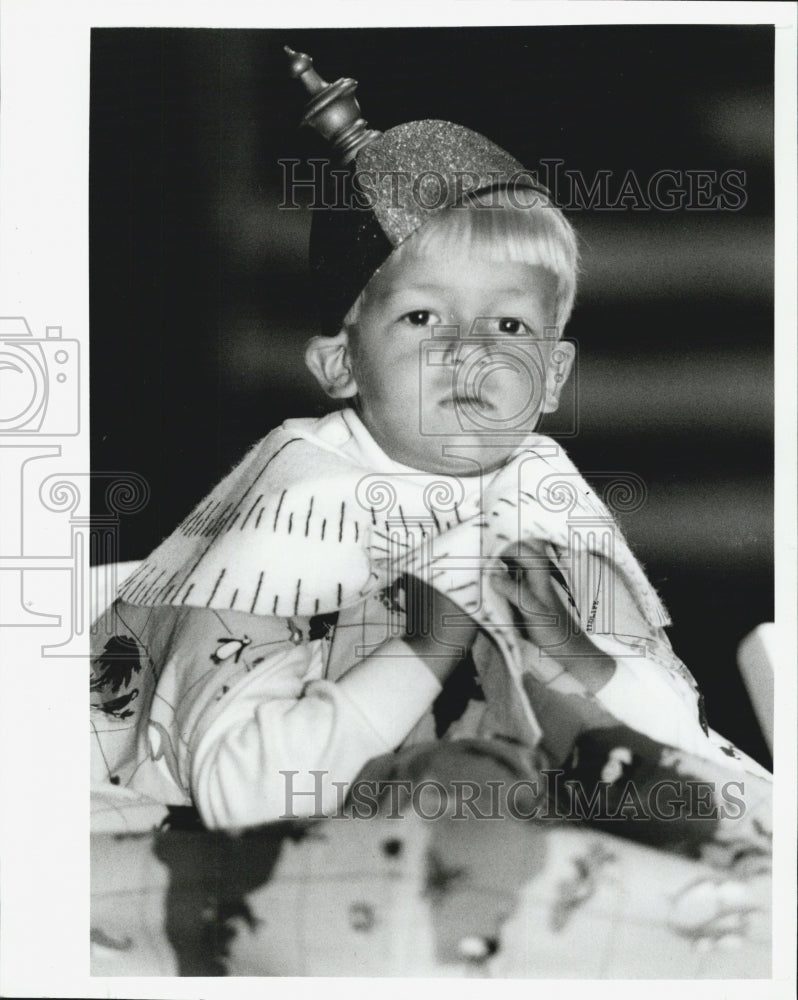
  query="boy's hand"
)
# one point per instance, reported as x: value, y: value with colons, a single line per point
x: 437, y: 630
x: 542, y: 600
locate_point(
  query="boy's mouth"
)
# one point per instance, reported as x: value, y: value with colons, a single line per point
x: 469, y: 400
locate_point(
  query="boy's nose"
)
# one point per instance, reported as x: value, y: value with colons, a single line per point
x: 447, y: 342
x: 460, y: 348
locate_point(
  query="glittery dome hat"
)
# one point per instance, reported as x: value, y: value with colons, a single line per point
x: 392, y: 183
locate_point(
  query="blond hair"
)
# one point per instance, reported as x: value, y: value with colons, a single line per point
x: 522, y: 226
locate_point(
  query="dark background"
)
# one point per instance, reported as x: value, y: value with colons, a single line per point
x: 200, y: 301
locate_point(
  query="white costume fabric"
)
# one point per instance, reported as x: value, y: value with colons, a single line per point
x: 240, y: 669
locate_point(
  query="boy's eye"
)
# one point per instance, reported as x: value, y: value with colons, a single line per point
x: 419, y: 317
x: 508, y: 324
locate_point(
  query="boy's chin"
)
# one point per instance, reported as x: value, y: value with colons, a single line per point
x: 463, y: 454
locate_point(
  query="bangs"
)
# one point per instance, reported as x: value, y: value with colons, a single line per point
x: 536, y: 233
x: 527, y: 230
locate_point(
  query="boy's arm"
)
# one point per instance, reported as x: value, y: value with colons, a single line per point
x: 437, y: 633
x: 626, y: 664
x: 287, y: 742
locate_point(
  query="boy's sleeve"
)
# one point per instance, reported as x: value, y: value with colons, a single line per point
x: 282, y: 741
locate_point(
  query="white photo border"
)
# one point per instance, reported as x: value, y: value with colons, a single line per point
x: 44, y: 165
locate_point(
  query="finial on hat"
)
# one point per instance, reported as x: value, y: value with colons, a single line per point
x: 333, y: 109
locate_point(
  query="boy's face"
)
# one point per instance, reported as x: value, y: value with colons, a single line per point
x: 454, y: 358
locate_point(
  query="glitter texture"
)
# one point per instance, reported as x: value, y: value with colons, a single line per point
x: 436, y: 155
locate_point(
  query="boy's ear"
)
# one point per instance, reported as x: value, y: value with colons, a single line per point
x: 561, y: 361
x: 328, y: 359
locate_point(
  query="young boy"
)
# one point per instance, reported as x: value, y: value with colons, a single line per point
x: 417, y: 563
